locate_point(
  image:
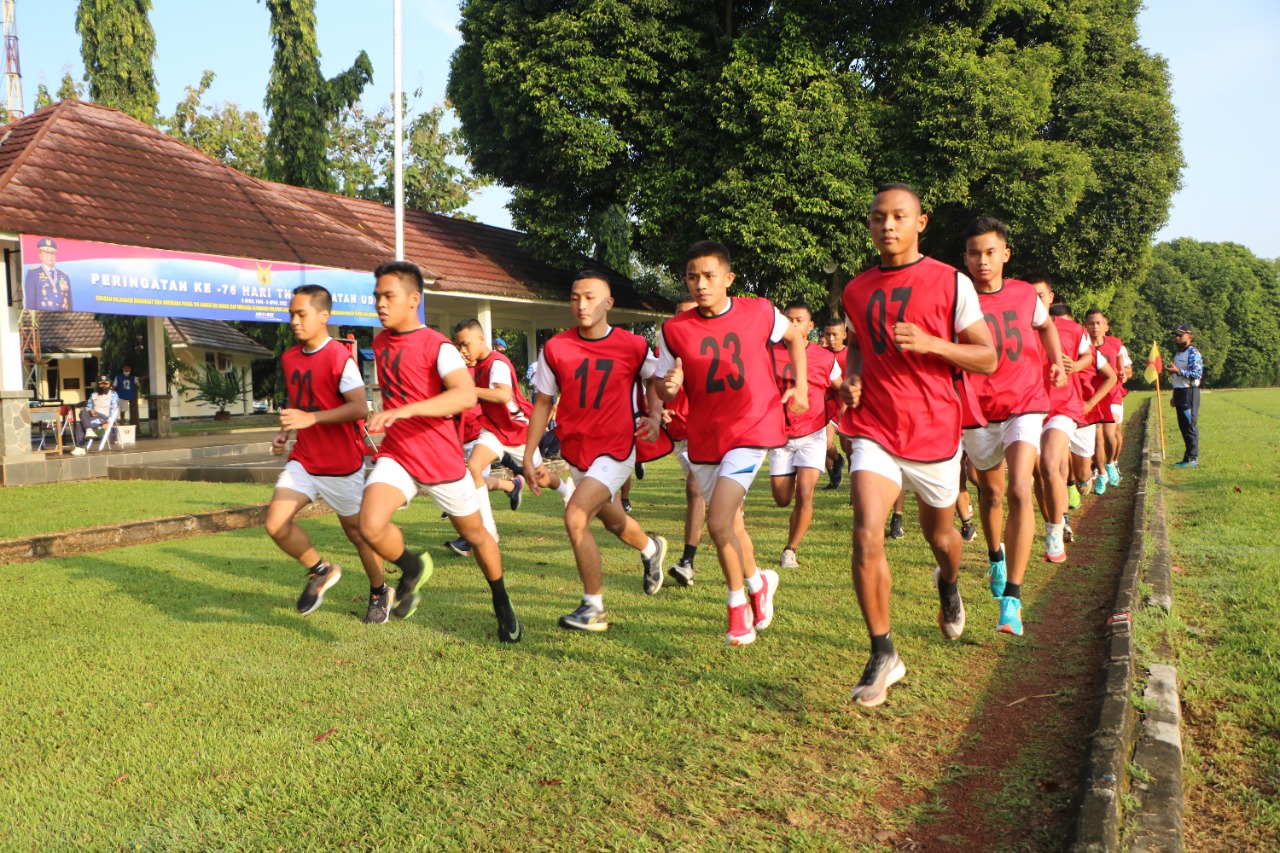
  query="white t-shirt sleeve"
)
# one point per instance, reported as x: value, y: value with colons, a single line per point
x: 544, y: 379
x: 350, y: 379
x: 649, y: 369
x: 1084, y: 346
x: 1125, y: 360
x: 666, y: 360
x: 500, y: 374
x: 968, y: 309
x: 837, y: 371
x: 449, y: 360
x: 1040, y: 316
x: 780, y: 326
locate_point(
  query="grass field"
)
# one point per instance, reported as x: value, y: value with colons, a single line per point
x: 1224, y: 634
x: 167, y: 697
x: 57, y: 507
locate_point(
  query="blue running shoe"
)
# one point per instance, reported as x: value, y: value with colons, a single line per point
x: 1010, y: 616
x: 1113, y: 474
x: 517, y: 493
x: 997, y: 575
x: 1187, y: 463
x: 1100, y: 484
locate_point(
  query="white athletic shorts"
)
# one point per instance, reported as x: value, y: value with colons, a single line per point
x: 680, y: 449
x: 1117, y: 412
x: 807, y: 451
x: 740, y: 465
x: 457, y: 499
x: 935, y: 483
x: 491, y: 441
x: 607, y: 470
x: 1061, y: 423
x: 341, y: 493
x: 1083, y: 440
x: 986, y: 445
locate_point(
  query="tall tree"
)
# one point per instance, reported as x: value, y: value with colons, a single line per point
x: 226, y: 134
x: 768, y: 126
x: 117, y: 44
x: 301, y: 101
x: 361, y: 159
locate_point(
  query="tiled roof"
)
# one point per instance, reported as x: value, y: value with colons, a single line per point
x: 83, y: 171
x: 68, y: 331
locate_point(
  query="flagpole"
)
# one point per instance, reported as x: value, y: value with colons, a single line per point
x: 1160, y: 417
x: 397, y: 107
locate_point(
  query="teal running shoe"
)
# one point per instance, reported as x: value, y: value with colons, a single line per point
x: 1010, y: 616
x: 1113, y: 474
x: 1100, y: 484
x: 997, y: 575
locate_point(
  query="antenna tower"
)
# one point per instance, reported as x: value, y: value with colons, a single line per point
x: 12, y: 66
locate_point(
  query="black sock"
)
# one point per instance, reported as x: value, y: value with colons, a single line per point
x: 690, y: 551
x: 1013, y: 590
x: 318, y: 567
x: 408, y: 562
x: 883, y: 644
x: 946, y: 590
x: 499, y: 591
x: 377, y: 590
x: 897, y: 515
x: 995, y: 556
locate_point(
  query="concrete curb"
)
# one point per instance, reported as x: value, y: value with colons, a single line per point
x: 75, y: 542
x: 1101, y: 821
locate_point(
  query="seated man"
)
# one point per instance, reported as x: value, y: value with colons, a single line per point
x: 97, y: 411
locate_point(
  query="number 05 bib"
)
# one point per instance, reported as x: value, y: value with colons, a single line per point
x: 729, y: 378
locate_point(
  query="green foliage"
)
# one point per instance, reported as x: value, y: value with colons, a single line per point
x: 118, y: 44
x: 1230, y: 297
x: 226, y: 134
x: 207, y: 384
x: 361, y: 157
x: 68, y: 88
x: 768, y: 126
x: 301, y: 101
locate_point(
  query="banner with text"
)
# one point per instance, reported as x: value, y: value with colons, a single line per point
x: 104, y: 278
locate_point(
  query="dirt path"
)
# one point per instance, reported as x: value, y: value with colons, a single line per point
x: 1023, y: 753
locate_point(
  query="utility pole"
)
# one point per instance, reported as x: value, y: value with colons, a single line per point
x: 12, y: 66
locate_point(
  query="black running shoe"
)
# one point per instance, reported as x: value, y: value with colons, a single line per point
x: 626, y: 506
x: 509, y: 629
x: 836, y: 473
x: 318, y: 583
x: 459, y: 546
x: 653, y: 566
x: 379, y: 608
x: 517, y: 492
x: 895, y: 526
x: 639, y: 470
x: 968, y: 530
x: 950, y: 610
x: 407, y: 598
x: 682, y: 572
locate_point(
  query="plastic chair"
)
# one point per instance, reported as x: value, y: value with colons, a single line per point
x: 107, y: 429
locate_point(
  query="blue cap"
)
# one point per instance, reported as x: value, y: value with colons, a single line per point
x: 499, y: 342
x: 46, y: 243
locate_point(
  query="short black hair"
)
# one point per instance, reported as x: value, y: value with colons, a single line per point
x: 321, y: 299
x: 404, y: 270
x: 1094, y: 310
x: 907, y: 188
x: 588, y: 274
x: 1039, y: 277
x: 833, y: 321
x: 473, y: 323
x: 798, y: 303
x: 708, y: 249
x: 1059, y: 309
x: 987, y: 225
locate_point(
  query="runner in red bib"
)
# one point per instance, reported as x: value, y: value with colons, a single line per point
x: 834, y: 335
x: 794, y: 468
x: 913, y: 323
x: 1014, y: 402
x: 326, y: 402
x: 1107, y: 446
x: 425, y: 388
x: 720, y: 355
x: 594, y: 368
x: 1095, y: 379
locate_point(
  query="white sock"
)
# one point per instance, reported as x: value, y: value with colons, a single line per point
x: 755, y: 583
x: 1053, y: 529
x: 594, y: 600
x: 650, y: 548
x: 486, y: 511
x: 737, y: 598
x: 565, y: 489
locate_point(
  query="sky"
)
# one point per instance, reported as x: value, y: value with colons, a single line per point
x: 1224, y: 61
